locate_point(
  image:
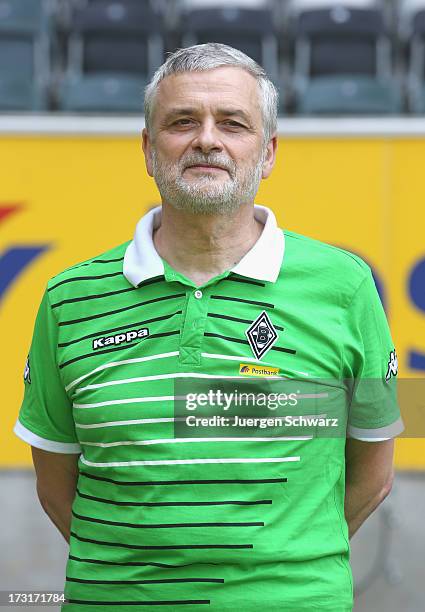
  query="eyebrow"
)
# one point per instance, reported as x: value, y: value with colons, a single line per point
x: 226, y: 112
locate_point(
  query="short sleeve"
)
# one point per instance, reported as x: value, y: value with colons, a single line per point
x: 45, y: 418
x: 369, y: 367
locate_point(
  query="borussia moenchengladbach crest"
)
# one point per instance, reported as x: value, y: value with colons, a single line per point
x: 261, y: 335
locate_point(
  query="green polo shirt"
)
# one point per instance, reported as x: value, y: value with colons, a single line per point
x: 206, y: 522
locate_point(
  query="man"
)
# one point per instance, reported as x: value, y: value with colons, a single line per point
x: 209, y: 287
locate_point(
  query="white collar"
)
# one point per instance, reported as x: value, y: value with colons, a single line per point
x: 262, y: 262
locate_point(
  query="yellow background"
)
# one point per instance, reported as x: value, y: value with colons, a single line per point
x: 83, y: 195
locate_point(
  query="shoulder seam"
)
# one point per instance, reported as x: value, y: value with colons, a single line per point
x: 344, y: 314
x: 86, y: 262
x: 55, y: 317
x: 356, y: 258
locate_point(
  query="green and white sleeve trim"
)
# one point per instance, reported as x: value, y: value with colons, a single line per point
x: 49, y: 445
x: 378, y: 434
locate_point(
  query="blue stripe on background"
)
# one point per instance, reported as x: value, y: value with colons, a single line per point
x: 417, y: 360
x: 14, y: 261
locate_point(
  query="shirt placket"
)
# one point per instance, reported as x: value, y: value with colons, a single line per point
x: 195, y: 312
x: 194, y: 320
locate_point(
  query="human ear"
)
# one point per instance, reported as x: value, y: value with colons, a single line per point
x: 270, y: 157
x: 147, y: 150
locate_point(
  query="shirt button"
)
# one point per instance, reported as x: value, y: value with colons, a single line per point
x: 198, y: 294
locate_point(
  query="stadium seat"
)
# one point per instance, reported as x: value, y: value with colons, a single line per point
x: 411, y: 7
x: 24, y: 55
x: 123, y: 36
x: 346, y: 43
x: 115, y: 45
x: 341, y: 40
x: 404, y: 11
x: 349, y: 95
x: 103, y: 93
x: 298, y: 6
x: 416, y: 73
x: 417, y: 99
x: 255, y: 4
x: 249, y: 30
x: 17, y: 94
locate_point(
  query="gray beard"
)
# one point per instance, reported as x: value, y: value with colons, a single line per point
x: 207, y: 195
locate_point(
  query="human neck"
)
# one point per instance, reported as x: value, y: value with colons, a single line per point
x: 203, y: 246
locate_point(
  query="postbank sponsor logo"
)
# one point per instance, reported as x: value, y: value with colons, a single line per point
x: 248, y: 369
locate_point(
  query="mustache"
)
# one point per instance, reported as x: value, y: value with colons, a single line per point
x: 209, y: 160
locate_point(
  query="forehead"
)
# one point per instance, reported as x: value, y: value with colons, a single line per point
x: 225, y: 86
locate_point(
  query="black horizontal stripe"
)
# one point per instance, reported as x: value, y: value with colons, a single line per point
x: 109, y: 293
x: 168, y: 547
x: 126, y: 326
x: 118, y: 310
x: 85, y: 298
x: 238, y: 320
x: 83, y: 278
x: 151, y: 281
x: 186, y: 503
x: 175, y: 602
x: 247, y: 281
x: 232, y: 299
x: 101, y: 261
x: 282, y: 349
x: 106, y: 260
x: 124, y: 563
x: 91, y: 519
x: 92, y: 261
x: 117, y: 348
x: 240, y: 341
x: 152, y: 581
x: 93, y: 354
x: 183, y: 482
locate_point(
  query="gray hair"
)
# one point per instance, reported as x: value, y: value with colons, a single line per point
x: 208, y: 57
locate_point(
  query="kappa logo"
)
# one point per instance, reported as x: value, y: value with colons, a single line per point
x: 392, y: 366
x: 27, y: 373
x: 127, y: 336
x: 261, y: 335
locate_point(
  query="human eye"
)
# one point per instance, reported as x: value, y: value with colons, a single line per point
x: 183, y: 122
x: 231, y: 123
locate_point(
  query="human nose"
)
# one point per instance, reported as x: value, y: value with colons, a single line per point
x: 207, y: 138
